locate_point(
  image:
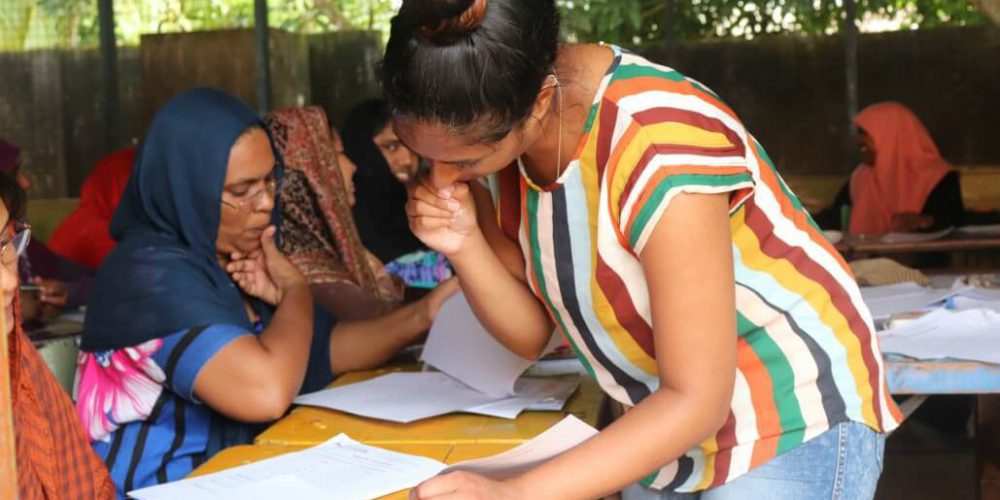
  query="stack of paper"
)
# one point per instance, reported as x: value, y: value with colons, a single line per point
x: 942, y: 334
x: 346, y: 469
x: 884, y: 301
x: 408, y: 396
x: 477, y: 375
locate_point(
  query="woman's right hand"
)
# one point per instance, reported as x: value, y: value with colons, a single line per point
x: 443, y: 219
x: 266, y: 273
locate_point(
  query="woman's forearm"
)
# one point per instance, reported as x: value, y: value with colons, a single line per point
x: 502, y: 303
x: 366, y: 344
x: 654, y: 433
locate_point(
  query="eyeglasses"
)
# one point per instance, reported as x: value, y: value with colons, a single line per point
x: 14, y: 247
x: 254, y: 200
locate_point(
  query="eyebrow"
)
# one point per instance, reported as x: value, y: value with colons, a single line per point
x: 466, y: 161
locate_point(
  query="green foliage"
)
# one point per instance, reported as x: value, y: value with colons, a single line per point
x: 635, y: 21
x: 28, y: 24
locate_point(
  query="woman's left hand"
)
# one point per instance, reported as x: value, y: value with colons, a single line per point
x: 466, y: 485
x: 249, y: 271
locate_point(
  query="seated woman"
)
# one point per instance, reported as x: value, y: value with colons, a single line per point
x: 318, y: 232
x: 903, y: 183
x: 384, y: 165
x: 200, y: 331
x: 54, y: 459
x: 83, y: 236
x: 62, y: 282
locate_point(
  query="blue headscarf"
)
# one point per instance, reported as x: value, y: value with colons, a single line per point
x: 164, y: 276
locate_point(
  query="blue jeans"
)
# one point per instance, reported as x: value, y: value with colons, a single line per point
x: 844, y: 462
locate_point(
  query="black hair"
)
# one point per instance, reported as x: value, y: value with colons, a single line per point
x: 368, y: 118
x: 472, y: 65
x: 13, y: 197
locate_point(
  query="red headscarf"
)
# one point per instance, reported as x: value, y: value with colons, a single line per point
x: 907, y: 168
x: 9, y: 154
x: 84, y: 237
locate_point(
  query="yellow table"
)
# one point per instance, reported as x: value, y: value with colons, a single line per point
x: 307, y: 426
x: 448, y: 438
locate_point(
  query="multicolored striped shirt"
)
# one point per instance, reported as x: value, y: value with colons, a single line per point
x: 808, y: 358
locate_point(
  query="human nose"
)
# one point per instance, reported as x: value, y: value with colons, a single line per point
x: 443, y: 175
x: 264, y: 201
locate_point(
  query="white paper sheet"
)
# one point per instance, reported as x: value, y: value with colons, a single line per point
x: 915, y: 237
x: 884, y: 301
x: 341, y: 467
x: 345, y: 469
x: 980, y: 230
x: 967, y: 303
x: 942, y: 334
x: 399, y: 397
x: 460, y: 346
x: 286, y: 486
x: 559, y: 438
x: 538, y: 394
x: 550, y: 367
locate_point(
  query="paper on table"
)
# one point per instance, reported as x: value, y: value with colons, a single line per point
x: 340, y: 466
x: 539, y: 394
x: 915, y: 237
x: 286, y: 486
x: 550, y: 367
x: 970, y: 335
x: 559, y: 438
x: 966, y: 303
x: 980, y: 230
x: 552, y: 394
x: 399, y: 397
x: 460, y: 346
x: 884, y: 301
x: 346, y: 469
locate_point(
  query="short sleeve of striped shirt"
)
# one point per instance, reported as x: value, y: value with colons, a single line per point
x: 185, y: 353
x: 688, y: 153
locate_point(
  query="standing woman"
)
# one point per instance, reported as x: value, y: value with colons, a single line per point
x: 631, y: 210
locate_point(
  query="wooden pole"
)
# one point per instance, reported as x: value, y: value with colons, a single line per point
x: 8, y: 447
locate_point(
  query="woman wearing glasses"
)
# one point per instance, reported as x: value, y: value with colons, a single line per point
x: 54, y: 459
x: 199, y: 330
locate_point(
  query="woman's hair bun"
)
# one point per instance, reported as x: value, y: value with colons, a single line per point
x: 444, y: 20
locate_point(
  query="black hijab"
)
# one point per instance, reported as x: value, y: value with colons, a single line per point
x: 380, y: 209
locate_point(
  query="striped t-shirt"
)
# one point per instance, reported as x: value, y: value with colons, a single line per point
x: 807, y: 354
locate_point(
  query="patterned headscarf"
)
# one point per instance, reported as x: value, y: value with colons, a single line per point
x: 318, y: 231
